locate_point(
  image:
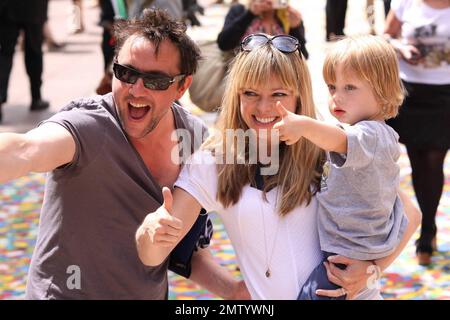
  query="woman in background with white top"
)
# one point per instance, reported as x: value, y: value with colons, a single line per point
x: 420, y: 32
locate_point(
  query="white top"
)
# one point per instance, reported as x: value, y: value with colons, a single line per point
x: 429, y: 30
x: 288, y: 245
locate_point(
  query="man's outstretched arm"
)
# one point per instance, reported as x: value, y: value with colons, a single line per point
x: 39, y: 150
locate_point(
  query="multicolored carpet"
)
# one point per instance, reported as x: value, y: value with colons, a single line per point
x: 20, y: 202
x: 19, y: 216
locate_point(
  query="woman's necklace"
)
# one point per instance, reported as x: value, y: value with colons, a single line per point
x: 267, y: 257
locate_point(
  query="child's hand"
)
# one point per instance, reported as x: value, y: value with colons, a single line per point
x: 289, y: 126
x: 163, y: 228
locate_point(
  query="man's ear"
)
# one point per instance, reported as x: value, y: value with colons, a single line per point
x: 183, y: 87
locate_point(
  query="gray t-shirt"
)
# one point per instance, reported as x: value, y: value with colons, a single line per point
x: 360, y: 213
x: 92, y: 208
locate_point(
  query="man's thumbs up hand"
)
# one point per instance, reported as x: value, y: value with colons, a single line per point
x: 168, y: 199
x: 163, y: 228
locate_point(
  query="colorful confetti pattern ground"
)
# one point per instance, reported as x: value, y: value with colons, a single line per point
x: 19, y: 216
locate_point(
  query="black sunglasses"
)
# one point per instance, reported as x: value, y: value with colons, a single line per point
x: 151, y: 80
x: 284, y: 43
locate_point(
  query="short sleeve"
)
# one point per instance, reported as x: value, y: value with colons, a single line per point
x: 362, y: 141
x: 199, y: 178
x: 84, y: 122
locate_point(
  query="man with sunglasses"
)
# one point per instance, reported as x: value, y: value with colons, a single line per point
x: 108, y: 158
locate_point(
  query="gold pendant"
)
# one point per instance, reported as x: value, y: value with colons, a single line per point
x: 268, y: 273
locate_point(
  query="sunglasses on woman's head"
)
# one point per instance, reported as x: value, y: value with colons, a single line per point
x: 151, y: 80
x: 284, y: 43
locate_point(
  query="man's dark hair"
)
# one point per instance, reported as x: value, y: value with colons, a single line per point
x: 157, y: 25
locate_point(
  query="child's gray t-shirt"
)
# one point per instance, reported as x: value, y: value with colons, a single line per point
x: 360, y: 215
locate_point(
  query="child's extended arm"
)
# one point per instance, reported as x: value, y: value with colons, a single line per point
x: 292, y: 127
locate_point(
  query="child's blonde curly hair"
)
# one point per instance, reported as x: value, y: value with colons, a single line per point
x: 372, y: 59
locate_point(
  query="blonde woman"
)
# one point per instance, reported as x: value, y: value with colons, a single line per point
x: 420, y: 32
x: 270, y: 217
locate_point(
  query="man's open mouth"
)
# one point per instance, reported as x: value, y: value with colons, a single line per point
x: 138, y: 111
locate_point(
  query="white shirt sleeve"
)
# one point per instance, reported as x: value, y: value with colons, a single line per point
x: 199, y: 178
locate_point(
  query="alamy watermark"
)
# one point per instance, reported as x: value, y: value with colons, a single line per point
x: 238, y: 147
x: 74, y: 280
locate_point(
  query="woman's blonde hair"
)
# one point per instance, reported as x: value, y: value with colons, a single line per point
x: 372, y: 59
x: 299, y: 164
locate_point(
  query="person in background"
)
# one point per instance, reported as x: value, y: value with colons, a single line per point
x: 260, y: 16
x: 28, y: 16
x: 76, y: 17
x: 335, y: 19
x: 173, y: 7
x: 370, y: 13
x: 190, y: 8
x: 107, y: 18
x: 420, y: 32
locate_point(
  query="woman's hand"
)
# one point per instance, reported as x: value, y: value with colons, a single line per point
x: 257, y: 7
x: 357, y: 276
x: 295, y: 18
